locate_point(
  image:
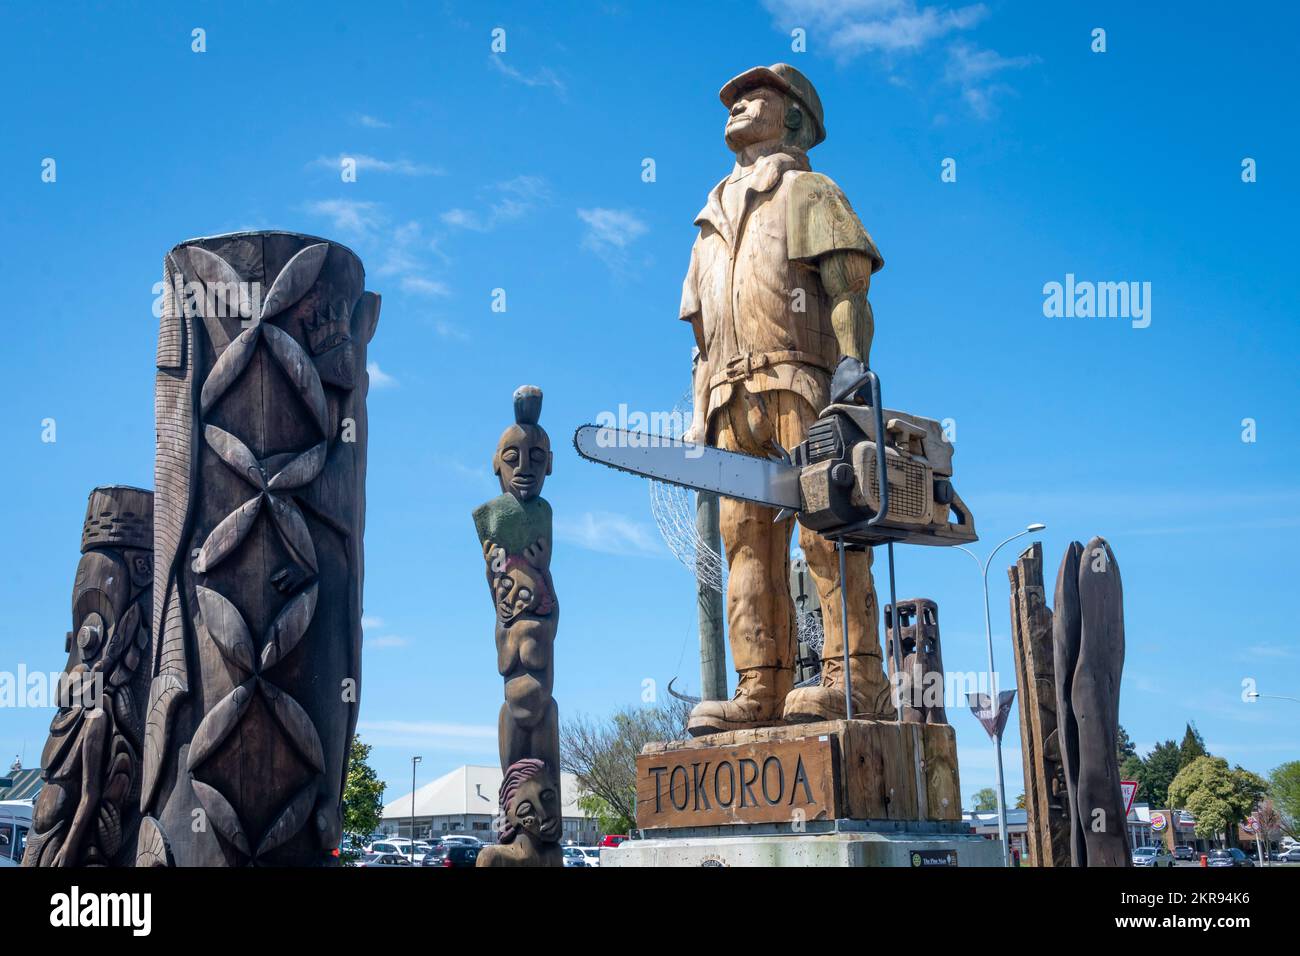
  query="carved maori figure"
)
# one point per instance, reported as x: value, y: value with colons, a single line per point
x: 87, y: 813
x: 260, y: 471
x: 921, y: 686
x: 530, y: 815
x: 514, y: 530
x: 1047, y: 840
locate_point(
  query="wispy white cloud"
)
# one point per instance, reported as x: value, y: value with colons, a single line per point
x: 609, y: 533
x: 853, y: 27
x: 448, y: 331
x: 511, y: 200
x: 379, y: 379
x: 545, y: 77
x: 610, y: 233
x: 464, y: 738
x: 372, y: 623
x: 972, y: 70
x: 372, y: 164
x: 421, y: 285
x: 371, y: 122
x: 352, y: 217
x: 387, y: 641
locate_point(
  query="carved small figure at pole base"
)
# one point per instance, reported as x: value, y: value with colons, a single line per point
x: 88, y: 811
x: 529, y: 818
x: 514, y: 530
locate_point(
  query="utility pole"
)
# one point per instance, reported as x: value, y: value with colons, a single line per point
x: 713, y: 651
x: 414, y: 761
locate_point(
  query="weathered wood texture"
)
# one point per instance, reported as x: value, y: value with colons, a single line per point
x: 1094, y: 697
x: 1066, y: 631
x: 921, y: 687
x: 88, y: 811
x: 514, y: 532
x: 884, y: 770
x: 260, y: 403
x: 1046, y: 801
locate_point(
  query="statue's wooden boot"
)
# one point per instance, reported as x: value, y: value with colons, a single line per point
x: 760, y: 694
x: 868, y: 688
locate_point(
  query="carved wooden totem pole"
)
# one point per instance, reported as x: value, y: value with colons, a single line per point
x: 88, y: 812
x: 514, y: 530
x: 1046, y: 801
x: 921, y: 688
x: 1069, y: 661
x: 260, y: 473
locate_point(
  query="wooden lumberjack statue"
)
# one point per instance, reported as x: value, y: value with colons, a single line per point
x: 776, y: 294
x: 514, y: 530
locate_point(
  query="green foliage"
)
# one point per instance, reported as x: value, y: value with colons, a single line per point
x: 1134, y: 767
x: 607, y: 818
x: 1020, y: 802
x: 1124, y: 747
x: 1284, y: 784
x: 984, y: 800
x: 1160, y: 768
x: 362, y: 797
x: 1193, y: 746
x: 1219, y: 797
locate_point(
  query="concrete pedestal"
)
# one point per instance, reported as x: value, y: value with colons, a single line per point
x: 832, y: 843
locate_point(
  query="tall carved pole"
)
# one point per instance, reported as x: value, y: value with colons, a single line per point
x: 260, y: 403
x: 514, y: 531
x: 1046, y: 801
x: 88, y: 811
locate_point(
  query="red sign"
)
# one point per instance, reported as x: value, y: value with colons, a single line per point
x: 1130, y: 789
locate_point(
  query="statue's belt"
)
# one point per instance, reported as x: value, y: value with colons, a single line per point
x: 741, y: 366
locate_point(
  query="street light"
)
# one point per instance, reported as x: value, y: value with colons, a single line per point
x: 993, y: 690
x: 414, y: 761
x: 1254, y: 695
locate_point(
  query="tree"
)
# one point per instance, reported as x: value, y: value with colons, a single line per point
x: 1161, y: 768
x: 1124, y: 746
x: 1284, y: 785
x: 1020, y: 801
x: 363, y: 794
x: 1219, y: 798
x: 602, y: 754
x: 985, y: 800
x: 1193, y: 746
x: 1134, y: 767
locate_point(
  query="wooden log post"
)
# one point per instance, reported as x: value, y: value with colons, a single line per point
x: 1046, y: 801
x: 88, y: 811
x: 260, y: 403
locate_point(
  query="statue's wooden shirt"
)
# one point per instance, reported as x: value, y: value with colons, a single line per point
x: 751, y: 275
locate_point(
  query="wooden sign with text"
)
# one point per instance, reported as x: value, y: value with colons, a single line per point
x: 769, y: 782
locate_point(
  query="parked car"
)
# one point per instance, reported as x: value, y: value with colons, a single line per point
x: 1290, y: 856
x: 591, y: 854
x: 1229, y: 857
x: 1152, y: 856
x: 15, y: 823
x: 1184, y: 853
x: 437, y: 853
x: 454, y: 854
x: 464, y: 838
x: 613, y: 839
x: 384, y: 859
x: 573, y: 857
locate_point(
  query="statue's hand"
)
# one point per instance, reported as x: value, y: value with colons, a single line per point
x: 538, y: 554
x: 697, y: 433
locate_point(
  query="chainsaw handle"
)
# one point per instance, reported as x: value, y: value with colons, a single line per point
x: 878, y: 408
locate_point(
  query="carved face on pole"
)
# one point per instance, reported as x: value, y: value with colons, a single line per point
x: 530, y: 802
x: 523, y: 460
x: 757, y: 116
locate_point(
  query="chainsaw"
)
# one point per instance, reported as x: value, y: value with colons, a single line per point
x: 831, y: 480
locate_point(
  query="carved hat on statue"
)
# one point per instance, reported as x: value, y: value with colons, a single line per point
x: 787, y: 80
x: 529, y: 801
x: 523, y: 457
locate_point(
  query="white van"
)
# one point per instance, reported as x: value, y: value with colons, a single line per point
x: 15, y: 822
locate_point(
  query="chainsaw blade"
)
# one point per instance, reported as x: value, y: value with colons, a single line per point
x: 774, y: 484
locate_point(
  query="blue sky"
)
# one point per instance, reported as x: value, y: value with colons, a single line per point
x: 522, y: 171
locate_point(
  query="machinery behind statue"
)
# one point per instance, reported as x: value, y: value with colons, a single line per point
x: 831, y: 479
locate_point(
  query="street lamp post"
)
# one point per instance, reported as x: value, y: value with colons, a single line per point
x: 414, y: 761
x: 993, y: 689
